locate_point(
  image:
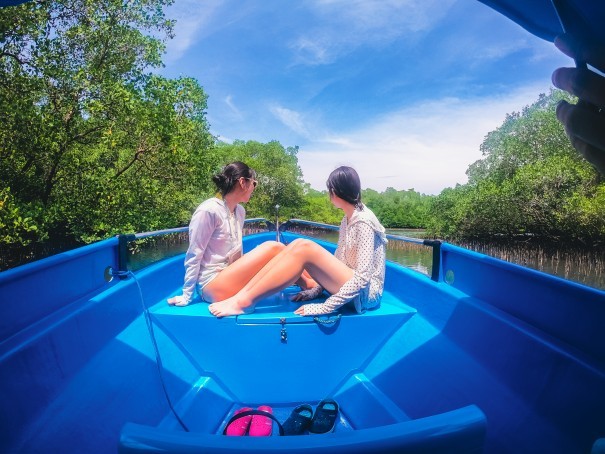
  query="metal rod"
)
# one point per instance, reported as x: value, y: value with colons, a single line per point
x: 407, y: 239
x: 139, y: 236
x: 277, y: 223
x: 336, y: 228
x: 314, y: 224
x: 125, y: 239
x: 142, y: 235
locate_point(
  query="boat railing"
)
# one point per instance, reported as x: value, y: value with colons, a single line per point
x: 434, y: 244
x: 139, y: 236
x: 288, y: 224
x: 256, y: 225
x: 251, y: 225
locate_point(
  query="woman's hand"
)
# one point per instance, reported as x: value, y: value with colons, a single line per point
x: 298, y: 297
x: 178, y: 300
x: 309, y: 294
x: 300, y: 310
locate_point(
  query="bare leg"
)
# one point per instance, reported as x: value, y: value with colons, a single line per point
x: 233, y: 278
x: 283, y: 270
x: 229, y: 281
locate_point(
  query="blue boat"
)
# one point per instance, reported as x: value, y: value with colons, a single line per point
x: 481, y: 356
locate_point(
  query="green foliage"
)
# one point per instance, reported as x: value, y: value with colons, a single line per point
x: 523, y: 138
x: 398, y: 209
x: 530, y: 182
x: 585, y: 212
x: 147, y: 170
x: 92, y: 144
x: 87, y: 133
x: 17, y: 226
x: 278, y: 174
x: 395, y: 209
x: 318, y: 208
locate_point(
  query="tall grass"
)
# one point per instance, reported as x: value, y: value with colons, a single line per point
x: 583, y: 265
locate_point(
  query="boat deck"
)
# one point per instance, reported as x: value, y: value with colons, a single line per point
x: 460, y: 366
x: 286, y: 359
x: 245, y: 361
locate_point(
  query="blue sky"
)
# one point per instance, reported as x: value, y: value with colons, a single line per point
x: 404, y: 91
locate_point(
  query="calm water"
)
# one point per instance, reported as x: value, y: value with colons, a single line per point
x: 586, y: 267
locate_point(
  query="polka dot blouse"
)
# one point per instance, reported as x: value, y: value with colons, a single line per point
x: 362, y: 247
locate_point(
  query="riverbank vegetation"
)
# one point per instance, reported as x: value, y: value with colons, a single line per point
x: 530, y: 183
x: 93, y: 142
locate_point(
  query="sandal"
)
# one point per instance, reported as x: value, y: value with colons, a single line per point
x: 261, y: 425
x: 324, y: 419
x: 238, y: 424
x: 236, y: 428
x: 299, y: 420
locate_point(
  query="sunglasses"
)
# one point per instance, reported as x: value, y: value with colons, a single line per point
x: 254, y: 182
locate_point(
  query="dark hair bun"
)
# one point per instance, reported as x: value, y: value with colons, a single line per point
x: 226, y: 179
x: 219, y: 179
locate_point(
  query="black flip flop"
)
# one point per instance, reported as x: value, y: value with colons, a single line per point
x: 299, y: 420
x: 324, y: 419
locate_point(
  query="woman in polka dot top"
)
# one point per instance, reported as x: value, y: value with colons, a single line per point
x: 354, y: 274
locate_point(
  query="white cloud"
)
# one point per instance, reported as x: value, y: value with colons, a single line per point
x: 389, y: 16
x: 546, y: 51
x: 344, y: 25
x: 193, y: 20
x: 427, y: 146
x: 501, y: 50
x: 290, y: 118
x: 311, y: 51
x: 232, y: 107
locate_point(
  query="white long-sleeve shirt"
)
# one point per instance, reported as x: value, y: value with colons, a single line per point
x: 215, y: 241
x: 362, y: 247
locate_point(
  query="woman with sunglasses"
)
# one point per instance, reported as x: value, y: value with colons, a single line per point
x: 354, y: 274
x: 214, y: 264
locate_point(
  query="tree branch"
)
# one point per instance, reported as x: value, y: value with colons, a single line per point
x: 142, y: 149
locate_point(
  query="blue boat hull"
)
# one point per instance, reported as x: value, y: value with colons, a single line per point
x: 491, y: 358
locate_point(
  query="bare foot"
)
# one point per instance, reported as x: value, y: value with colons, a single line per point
x: 227, y: 307
x: 177, y: 301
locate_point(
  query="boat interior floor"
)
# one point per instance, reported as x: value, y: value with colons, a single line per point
x: 275, y: 357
